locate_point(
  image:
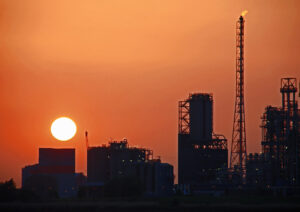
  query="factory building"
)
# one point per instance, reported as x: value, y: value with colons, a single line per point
x: 118, y: 160
x: 279, y: 162
x: 202, y: 155
x: 54, y: 174
x: 281, y: 136
x: 107, y: 162
x: 157, y: 178
x: 256, y: 170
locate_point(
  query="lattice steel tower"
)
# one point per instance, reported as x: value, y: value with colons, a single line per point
x: 238, y: 146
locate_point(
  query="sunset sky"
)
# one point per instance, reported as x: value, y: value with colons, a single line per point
x: 119, y: 68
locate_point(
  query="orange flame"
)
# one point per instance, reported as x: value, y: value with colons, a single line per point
x: 244, y: 13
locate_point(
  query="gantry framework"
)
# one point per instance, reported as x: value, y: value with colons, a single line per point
x: 184, y: 117
x: 280, y: 136
x: 202, y: 155
x: 217, y: 141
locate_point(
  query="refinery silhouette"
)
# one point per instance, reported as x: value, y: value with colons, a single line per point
x: 202, y: 154
x: 205, y: 166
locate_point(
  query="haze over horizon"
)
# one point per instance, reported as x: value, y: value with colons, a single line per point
x: 119, y: 68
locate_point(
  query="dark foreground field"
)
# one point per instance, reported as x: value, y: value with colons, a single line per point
x: 186, y: 204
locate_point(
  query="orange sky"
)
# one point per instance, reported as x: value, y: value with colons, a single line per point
x: 119, y: 68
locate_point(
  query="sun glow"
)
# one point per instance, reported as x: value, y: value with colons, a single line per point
x: 63, y: 128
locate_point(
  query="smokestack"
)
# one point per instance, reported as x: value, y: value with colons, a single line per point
x: 238, y: 146
x: 86, y: 140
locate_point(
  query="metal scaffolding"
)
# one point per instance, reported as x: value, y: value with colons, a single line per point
x: 238, y: 147
x: 201, y: 153
x: 183, y: 117
x: 280, y: 137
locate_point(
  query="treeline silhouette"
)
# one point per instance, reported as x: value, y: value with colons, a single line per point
x: 38, y: 189
x: 9, y: 192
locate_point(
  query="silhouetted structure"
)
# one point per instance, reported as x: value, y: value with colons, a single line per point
x: 118, y: 160
x: 238, y: 146
x: 281, y: 137
x: 107, y: 162
x: 256, y: 170
x: 202, y: 155
x: 54, y: 175
x: 278, y: 165
x: 157, y: 178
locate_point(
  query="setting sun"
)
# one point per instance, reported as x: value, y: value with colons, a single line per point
x: 63, y: 128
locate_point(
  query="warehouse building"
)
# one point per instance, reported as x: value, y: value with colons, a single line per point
x: 54, y: 175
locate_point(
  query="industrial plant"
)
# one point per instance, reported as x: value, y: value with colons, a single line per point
x: 202, y: 154
x: 118, y: 159
x: 54, y: 175
x: 278, y: 164
x: 204, y: 164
